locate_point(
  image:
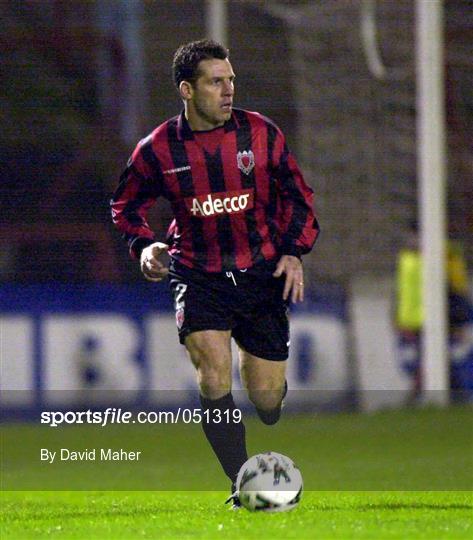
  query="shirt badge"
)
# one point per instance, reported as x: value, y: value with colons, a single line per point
x: 180, y: 317
x: 246, y: 161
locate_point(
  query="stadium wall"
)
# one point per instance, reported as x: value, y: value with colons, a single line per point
x: 69, y: 344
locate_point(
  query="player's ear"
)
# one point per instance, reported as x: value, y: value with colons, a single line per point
x: 185, y: 90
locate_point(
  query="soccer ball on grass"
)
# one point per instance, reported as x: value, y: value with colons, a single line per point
x: 269, y: 482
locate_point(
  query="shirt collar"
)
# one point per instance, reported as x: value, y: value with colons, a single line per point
x: 184, y: 131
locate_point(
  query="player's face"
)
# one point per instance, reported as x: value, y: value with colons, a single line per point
x: 211, y: 99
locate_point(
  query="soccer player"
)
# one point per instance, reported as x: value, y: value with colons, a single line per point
x: 243, y: 217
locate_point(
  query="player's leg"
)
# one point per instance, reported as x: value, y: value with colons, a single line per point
x: 204, y: 322
x: 265, y: 382
x: 210, y: 353
x: 262, y: 335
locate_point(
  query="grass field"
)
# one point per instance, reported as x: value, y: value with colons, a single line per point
x: 166, y: 515
x: 403, y: 474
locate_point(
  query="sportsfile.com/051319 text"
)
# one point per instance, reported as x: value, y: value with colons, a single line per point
x: 113, y: 415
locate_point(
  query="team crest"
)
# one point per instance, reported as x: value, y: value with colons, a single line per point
x: 180, y: 317
x: 246, y: 161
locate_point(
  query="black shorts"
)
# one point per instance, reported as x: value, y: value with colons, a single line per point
x: 249, y: 303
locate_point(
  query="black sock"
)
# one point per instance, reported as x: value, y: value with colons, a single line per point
x: 271, y: 417
x: 227, y: 438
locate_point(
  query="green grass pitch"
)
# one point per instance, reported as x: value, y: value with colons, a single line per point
x: 398, y: 474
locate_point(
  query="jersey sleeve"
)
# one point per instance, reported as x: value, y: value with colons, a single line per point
x: 139, y: 187
x: 298, y: 224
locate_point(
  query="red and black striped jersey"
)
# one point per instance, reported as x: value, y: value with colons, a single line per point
x: 244, y: 203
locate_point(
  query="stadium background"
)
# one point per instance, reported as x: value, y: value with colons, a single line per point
x: 84, y: 81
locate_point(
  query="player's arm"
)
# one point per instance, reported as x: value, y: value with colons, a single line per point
x: 137, y: 191
x: 298, y: 223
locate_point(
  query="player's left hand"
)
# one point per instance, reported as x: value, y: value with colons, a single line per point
x: 294, y: 284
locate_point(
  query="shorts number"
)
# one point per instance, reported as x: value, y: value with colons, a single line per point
x: 180, y: 290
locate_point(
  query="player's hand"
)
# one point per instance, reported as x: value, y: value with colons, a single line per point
x: 152, y: 268
x: 294, y: 284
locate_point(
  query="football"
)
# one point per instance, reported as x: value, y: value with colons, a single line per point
x: 269, y: 482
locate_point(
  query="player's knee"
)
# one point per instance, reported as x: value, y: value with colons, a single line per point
x: 213, y: 383
x: 266, y: 399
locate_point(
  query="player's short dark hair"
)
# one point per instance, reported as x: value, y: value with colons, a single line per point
x: 187, y: 57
